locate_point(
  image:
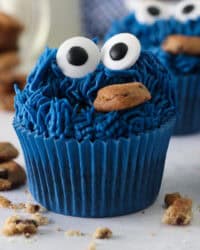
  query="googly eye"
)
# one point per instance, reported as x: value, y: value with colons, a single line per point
x: 188, y: 10
x: 121, y: 51
x: 149, y: 11
x: 78, y: 57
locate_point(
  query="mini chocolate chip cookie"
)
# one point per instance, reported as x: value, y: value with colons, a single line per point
x: 10, y: 30
x: 15, y: 225
x: 9, y: 60
x: 7, y: 94
x: 11, y: 175
x: 7, y: 152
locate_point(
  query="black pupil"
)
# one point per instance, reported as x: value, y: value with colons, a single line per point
x: 77, y: 56
x: 188, y: 9
x: 154, y: 11
x: 118, y: 51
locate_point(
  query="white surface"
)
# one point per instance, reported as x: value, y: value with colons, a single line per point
x: 134, y: 232
x: 65, y: 21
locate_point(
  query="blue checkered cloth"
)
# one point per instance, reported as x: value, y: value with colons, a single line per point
x: 97, y: 15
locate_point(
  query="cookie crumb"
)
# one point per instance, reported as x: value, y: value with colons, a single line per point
x: 18, y: 206
x: 27, y: 235
x: 74, y: 233
x: 59, y: 229
x: 4, y: 202
x: 15, y: 225
x: 171, y: 198
x: 92, y: 246
x: 102, y: 233
x: 41, y: 220
x: 179, y: 213
x: 32, y: 208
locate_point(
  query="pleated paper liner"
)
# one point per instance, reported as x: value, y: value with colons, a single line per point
x: 96, y: 179
x: 188, y: 119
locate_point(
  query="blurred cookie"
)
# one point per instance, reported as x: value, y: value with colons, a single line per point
x: 12, y: 175
x: 9, y: 60
x: 7, y: 94
x: 10, y: 29
x: 7, y: 102
x: 8, y: 79
x: 7, y: 152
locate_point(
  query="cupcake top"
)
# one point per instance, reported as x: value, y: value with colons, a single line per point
x: 154, y: 22
x: 80, y: 92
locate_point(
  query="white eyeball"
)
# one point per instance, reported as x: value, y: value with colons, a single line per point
x: 148, y: 12
x: 78, y: 57
x: 187, y: 10
x: 121, y: 51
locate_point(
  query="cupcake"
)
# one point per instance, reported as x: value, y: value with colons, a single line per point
x: 95, y: 127
x: 172, y: 32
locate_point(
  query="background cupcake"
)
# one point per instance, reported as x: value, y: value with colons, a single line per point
x: 172, y: 32
x: 94, y: 134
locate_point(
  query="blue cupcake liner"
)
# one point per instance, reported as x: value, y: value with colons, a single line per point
x: 188, y: 118
x: 96, y: 179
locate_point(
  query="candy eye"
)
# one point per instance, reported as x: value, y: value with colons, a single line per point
x: 149, y: 11
x: 187, y: 10
x: 78, y: 57
x: 121, y: 51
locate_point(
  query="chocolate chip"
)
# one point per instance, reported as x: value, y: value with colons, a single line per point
x: 180, y: 220
x: 3, y: 173
x: 19, y: 221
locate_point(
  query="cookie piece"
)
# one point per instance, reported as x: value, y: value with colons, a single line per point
x: 7, y: 102
x: 181, y: 44
x: 7, y: 94
x: 8, y: 79
x: 32, y: 208
x: 4, y: 202
x: 179, y: 213
x: 74, y: 233
x: 7, y: 152
x: 40, y: 220
x: 92, y: 246
x: 15, y: 225
x: 15, y: 176
x: 171, y: 198
x: 121, y: 96
x: 9, y: 60
x: 10, y: 30
x: 102, y: 233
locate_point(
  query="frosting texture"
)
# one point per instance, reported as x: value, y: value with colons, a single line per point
x: 54, y: 105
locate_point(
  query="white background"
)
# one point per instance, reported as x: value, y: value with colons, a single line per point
x: 134, y: 232
x: 65, y: 21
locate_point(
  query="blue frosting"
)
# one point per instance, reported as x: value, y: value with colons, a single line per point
x: 153, y: 35
x: 56, y: 106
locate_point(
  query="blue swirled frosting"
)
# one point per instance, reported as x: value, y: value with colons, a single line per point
x: 152, y: 36
x: 54, y: 105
